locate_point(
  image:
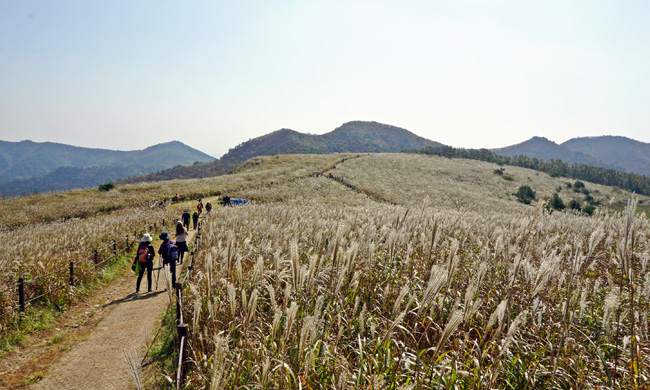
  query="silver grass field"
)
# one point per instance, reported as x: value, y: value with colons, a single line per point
x: 327, y: 288
x: 405, y: 272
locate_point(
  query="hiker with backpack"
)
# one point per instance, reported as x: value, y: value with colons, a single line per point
x: 208, y: 207
x: 181, y: 240
x: 199, y: 207
x: 195, y: 219
x: 144, y: 260
x: 186, y: 218
x: 169, y: 252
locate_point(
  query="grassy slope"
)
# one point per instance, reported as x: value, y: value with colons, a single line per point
x: 28, y: 210
x: 313, y: 209
x: 325, y: 283
x: 457, y: 184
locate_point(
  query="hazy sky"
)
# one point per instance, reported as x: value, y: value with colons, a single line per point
x: 129, y: 74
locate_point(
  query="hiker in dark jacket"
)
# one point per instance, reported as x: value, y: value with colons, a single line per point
x: 208, y: 206
x: 166, y: 251
x: 145, y: 255
x: 195, y: 219
x: 186, y: 218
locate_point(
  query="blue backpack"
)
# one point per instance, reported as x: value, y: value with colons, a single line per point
x: 172, y: 251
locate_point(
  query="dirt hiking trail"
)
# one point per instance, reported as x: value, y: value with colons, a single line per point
x: 87, y: 349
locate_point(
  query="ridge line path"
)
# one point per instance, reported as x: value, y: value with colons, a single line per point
x: 94, y: 356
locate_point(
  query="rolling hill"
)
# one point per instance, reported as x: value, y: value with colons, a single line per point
x: 613, y: 152
x: 29, y: 166
x: 633, y: 156
x: 351, y: 137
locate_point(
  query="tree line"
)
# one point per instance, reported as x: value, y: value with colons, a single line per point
x: 639, y: 184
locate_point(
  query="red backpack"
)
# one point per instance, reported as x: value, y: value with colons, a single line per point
x: 143, y: 254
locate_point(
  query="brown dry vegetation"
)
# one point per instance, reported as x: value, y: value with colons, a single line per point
x: 376, y: 296
x: 45, y: 232
x: 458, y: 285
x: 452, y: 283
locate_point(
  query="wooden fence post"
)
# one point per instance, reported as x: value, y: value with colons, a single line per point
x: 71, y: 273
x: 96, y: 257
x: 114, y: 248
x: 179, y: 291
x: 21, y: 294
x: 127, y: 242
x: 183, y: 332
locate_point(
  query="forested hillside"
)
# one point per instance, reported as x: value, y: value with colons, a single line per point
x: 639, y: 184
x: 611, y: 152
x: 633, y: 156
x: 28, y: 166
x: 352, y: 137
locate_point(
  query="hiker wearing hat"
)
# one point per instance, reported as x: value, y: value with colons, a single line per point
x: 144, y: 260
x: 169, y: 252
x: 181, y: 240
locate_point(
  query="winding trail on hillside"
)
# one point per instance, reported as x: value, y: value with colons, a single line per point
x: 99, y: 362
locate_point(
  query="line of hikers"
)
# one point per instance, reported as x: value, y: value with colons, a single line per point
x: 170, y: 251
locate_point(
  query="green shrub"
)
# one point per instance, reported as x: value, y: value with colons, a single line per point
x: 507, y: 177
x: 556, y: 203
x: 106, y: 186
x: 588, y: 209
x: 575, y: 205
x: 525, y: 194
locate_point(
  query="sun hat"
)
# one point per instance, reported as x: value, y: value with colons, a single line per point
x: 179, y: 223
x: 146, y: 238
x: 163, y: 236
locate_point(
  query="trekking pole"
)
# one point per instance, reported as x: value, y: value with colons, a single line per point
x: 158, y: 276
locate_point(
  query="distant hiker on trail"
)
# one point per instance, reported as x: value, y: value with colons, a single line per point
x: 186, y: 218
x: 195, y: 219
x: 169, y: 252
x: 144, y: 260
x: 226, y: 201
x: 208, y: 206
x: 181, y: 240
x: 199, y: 207
x: 175, y: 198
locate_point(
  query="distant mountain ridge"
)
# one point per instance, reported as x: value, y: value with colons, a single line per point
x: 29, y: 166
x: 633, y: 156
x: 351, y: 137
x: 613, y: 152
